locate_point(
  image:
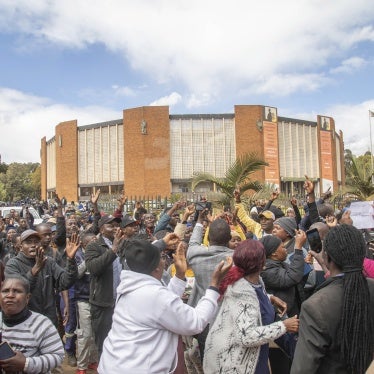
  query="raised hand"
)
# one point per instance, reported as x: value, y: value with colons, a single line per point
x: 40, y: 261
x: 118, y: 238
x: 293, y: 201
x: 331, y: 221
x: 308, y: 185
x: 122, y: 200
x: 180, y: 262
x: 235, y: 217
x: 346, y: 218
x: 179, y: 204
x: 171, y: 239
x: 300, y: 239
x: 275, y: 194
x: 58, y: 200
x: 189, y: 210
x: 95, y: 197
x: 72, y: 245
x: 220, y: 271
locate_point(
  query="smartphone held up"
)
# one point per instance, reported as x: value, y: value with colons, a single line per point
x: 314, y: 240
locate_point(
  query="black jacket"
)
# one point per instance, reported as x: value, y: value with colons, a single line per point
x: 281, y: 280
x: 99, y: 261
x: 43, y: 286
x: 318, y: 347
x: 82, y: 284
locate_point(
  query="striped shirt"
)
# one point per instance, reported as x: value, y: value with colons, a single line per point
x: 38, y: 340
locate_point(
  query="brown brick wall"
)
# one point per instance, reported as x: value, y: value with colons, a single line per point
x: 67, y: 160
x: 333, y: 155
x: 247, y: 136
x: 334, y: 161
x: 147, y: 157
x: 342, y: 156
x: 43, y: 168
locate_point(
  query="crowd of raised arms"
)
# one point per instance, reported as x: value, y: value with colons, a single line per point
x: 246, y: 289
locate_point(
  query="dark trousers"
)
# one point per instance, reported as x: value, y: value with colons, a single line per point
x: 201, y: 338
x: 71, y: 325
x: 101, y: 318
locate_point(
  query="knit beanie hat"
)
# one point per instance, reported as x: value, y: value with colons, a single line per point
x: 288, y: 224
x: 142, y: 256
x: 270, y: 243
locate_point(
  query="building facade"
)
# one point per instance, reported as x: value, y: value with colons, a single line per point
x: 150, y: 152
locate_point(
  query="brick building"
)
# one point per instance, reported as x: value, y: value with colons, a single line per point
x: 154, y: 153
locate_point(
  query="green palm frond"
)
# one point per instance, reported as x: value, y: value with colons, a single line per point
x: 204, y: 177
x: 359, y: 176
x: 237, y: 175
x: 243, y: 167
x: 251, y: 185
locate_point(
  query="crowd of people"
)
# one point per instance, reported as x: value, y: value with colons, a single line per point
x: 192, y: 290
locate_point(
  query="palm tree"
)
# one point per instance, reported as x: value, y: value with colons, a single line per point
x: 236, y: 176
x: 359, y: 176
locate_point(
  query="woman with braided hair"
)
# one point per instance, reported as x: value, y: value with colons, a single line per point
x: 336, y: 323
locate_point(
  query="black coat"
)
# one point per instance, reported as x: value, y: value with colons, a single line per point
x: 281, y: 280
x: 44, y: 285
x: 99, y: 261
x: 318, y: 348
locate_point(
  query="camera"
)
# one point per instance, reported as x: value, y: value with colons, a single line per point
x: 201, y: 205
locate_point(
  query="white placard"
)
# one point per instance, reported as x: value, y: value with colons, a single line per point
x: 362, y: 214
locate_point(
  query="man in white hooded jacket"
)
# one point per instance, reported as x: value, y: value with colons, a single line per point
x: 148, y: 317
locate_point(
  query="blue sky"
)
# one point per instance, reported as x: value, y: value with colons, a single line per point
x: 88, y: 60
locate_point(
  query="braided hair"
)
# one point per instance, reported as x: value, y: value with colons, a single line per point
x: 346, y: 247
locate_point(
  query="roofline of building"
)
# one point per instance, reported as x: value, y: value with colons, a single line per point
x: 187, y: 116
x: 295, y: 120
x: 101, y: 124
x: 202, y: 116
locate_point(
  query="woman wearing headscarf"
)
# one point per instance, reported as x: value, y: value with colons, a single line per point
x: 336, y: 323
x: 238, y: 339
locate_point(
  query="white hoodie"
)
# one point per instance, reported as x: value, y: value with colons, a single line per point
x: 147, y: 319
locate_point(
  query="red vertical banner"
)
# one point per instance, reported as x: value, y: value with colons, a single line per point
x: 271, y: 152
x: 327, y: 174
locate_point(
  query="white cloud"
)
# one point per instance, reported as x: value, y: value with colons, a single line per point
x: 207, y: 45
x: 25, y: 119
x: 123, y: 91
x: 198, y: 100
x: 205, y: 49
x: 285, y: 84
x: 350, y: 65
x: 351, y: 119
x: 172, y: 99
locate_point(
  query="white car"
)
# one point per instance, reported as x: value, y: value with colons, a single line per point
x: 5, y: 210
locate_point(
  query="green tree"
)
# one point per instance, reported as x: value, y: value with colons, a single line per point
x: 359, y: 175
x: 237, y: 176
x: 3, y: 168
x: 3, y: 195
x: 36, y: 182
x: 17, y: 180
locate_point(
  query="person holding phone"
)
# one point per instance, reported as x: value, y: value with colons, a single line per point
x: 32, y: 343
x: 336, y: 323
